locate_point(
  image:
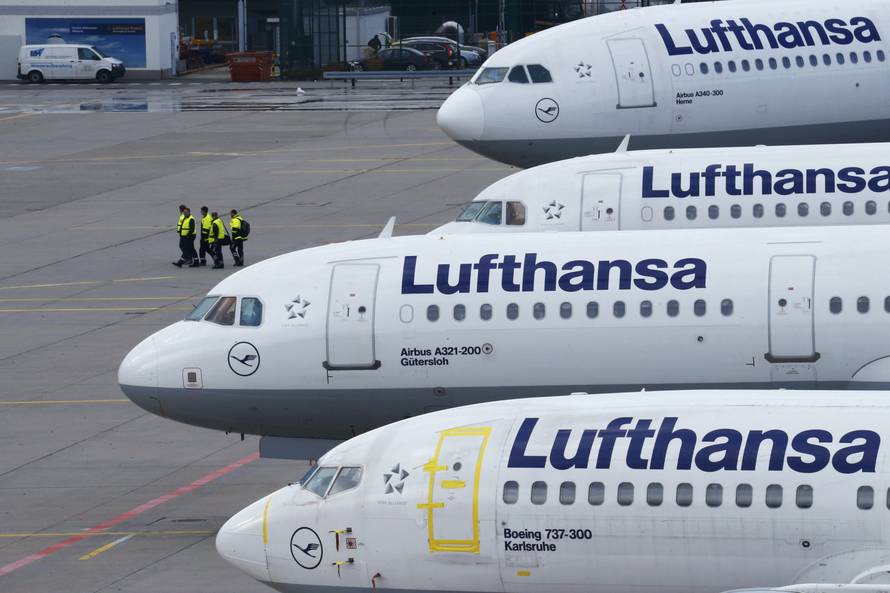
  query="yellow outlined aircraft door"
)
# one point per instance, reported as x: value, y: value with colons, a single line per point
x: 452, y: 504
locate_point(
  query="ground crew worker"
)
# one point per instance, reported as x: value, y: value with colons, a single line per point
x: 181, y: 218
x: 238, y: 239
x: 216, y: 240
x: 206, y: 221
x: 187, y: 234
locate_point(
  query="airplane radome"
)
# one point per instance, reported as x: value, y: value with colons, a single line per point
x: 677, y: 76
x: 336, y: 340
x: 689, y: 188
x: 678, y: 492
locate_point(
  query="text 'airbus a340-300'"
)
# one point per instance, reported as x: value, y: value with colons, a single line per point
x: 810, y: 185
x: 680, y: 492
x: 681, y: 76
x: 336, y: 340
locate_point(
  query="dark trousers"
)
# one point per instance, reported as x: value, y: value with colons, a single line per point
x: 215, y: 250
x: 187, y: 247
x: 238, y: 250
x: 205, y: 249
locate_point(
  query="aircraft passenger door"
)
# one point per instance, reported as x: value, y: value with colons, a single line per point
x: 632, y: 72
x: 452, y: 505
x: 350, y: 323
x: 791, y: 331
x: 601, y: 202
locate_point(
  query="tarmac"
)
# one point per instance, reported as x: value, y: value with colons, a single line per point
x: 95, y: 494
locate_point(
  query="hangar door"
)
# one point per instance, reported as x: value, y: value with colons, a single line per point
x: 791, y: 331
x: 632, y: 72
x: 350, y: 323
x: 601, y: 202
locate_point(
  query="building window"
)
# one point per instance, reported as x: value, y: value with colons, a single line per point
x: 511, y: 492
x: 565, y: 310
x: 684, y: 494
x: 744, y: 495
x: 618, y: 309
x: 539, y: 492
x: 835, y: 305
x: 625, y: 493
x: 646, y: 309
x: 865, y: 497
x: 773, y: 496
x: 512, y: 311
x: 539, y: 310
x: 714, y: 495
x: 432, y: 313
x: 567, y: 493
x: 593, y: 310
x: 654, y: 494
x: 596, y: 493
x: 460, y: 312
x: 485, y: 312
x: 804, y: 498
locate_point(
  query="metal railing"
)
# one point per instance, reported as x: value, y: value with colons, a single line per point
x: 451, y: 75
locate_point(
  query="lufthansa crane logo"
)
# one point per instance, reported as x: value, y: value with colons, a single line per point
x: 306, y: 548
x: 244, y: 359
x: 547, y: 110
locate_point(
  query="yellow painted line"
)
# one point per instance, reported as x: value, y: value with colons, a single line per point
x: 104, y: 548
x: 265, y: 519
x: 19, y: 116
x: 439, y: 170
x: 43, y: 402
x: 453, y: 484
x: 91, y: 299
x: 172, y: 533
x: 86, y: 282
x: 93, y: 309
x: 523, y: 573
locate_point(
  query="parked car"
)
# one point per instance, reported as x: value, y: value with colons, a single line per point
x: 470, y: 55
x: 396, y: 58
x: 445, y: 54
x: 67, y: 61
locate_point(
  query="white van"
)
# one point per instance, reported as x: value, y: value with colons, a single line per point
x: 67, y: 62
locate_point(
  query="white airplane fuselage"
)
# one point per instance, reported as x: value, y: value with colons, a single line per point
x: 689, y: 188
x: 359, y: 334
x: 679, y: 492
x: 679, y: 76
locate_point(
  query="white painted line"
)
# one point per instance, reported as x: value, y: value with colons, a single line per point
x: 175, y: 83
x: 155, y: 83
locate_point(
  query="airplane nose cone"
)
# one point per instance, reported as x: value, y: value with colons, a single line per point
x: 462, y: 116
x: 138, y: 376
x: 240, y: 541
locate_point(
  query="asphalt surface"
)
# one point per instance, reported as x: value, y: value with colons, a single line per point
x: 95, y: 494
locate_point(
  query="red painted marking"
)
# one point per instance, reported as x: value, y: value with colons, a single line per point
x: 106, y: 525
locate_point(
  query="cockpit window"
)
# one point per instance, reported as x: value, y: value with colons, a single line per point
x: 470, y: 211
x: 201, y: 308
x: 491, y: 75
x: 517, y: 74
x: 539, y: 74
x: 319, y: 481
x: 491, y: 213
x: 347, y: 479
x: 251, y: 311
x: 515, y: 213
x: 309, y: 473
x: 223, y: 312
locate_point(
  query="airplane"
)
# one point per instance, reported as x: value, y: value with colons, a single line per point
x: 689, y: 188
x: 682, y: 76
x: 677, y: 492
x: 347, y: 337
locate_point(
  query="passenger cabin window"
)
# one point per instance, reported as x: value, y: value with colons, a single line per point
x: 744, y: 495
x: 654, y: 494
x: 490, y: 213
x: 201, y: 308
x: 432, y: 313
x: 320, y: 480
x: 511, y: 492
x: 539, y: 73
x: 515, y: 213
x: 347, y: 479
x: 726, y: 307
x: 485, y: 312
x: 714, y: 495
x: 460, y: 312
x: 865, y: 497
x: 804, y: 498
x: 774, y: 496
x: 512, y: 311
x: 539, y: 492
x: 673, y: 308
x: 470, y: 211
x: 491, y: 75
x: 835, y: 305
x: 862, y: 304
x: 625, y: 493
x: 593, y: 310
x: 539, y: 311
x: 517, y: 74
x: 223, y: 313
x: 567, y: 493
x: 684, y: 494
x: 596, y: 494
x: 565, y: 310
x: 251, y: 312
